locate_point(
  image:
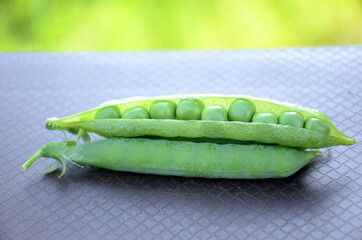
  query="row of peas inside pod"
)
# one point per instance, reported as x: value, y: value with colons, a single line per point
x: 241, y: 110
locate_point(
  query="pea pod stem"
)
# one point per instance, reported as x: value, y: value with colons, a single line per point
x: 33, y: 158
x: 51, y: 150
x: 41, y: 153
x: 181, y: 158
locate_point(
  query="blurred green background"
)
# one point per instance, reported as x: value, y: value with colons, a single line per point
x: 68, y: 25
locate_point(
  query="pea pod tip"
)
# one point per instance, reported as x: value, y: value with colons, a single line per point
x: 49, y: 123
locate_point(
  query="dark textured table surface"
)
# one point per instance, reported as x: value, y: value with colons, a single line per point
x: 322, y: 201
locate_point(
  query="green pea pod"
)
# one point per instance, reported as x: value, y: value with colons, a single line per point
x: 106, y: 120
x: 180, y: 158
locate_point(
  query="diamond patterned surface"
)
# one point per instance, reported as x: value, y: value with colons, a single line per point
x: 322, y: 201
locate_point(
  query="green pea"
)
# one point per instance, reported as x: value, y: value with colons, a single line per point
x: 290, y: 118
x: 241, y: 110
x: 189, y: 109
x: 108, y: 112
x: 317, y: 124
x: 163, y: 109
x: 265, y: 117
x: 137, y: 112
x: 214, y: 113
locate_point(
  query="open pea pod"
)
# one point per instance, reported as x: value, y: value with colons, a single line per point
x: 210, y: 118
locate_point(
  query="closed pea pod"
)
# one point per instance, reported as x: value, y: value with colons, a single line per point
x: 187, y: 159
